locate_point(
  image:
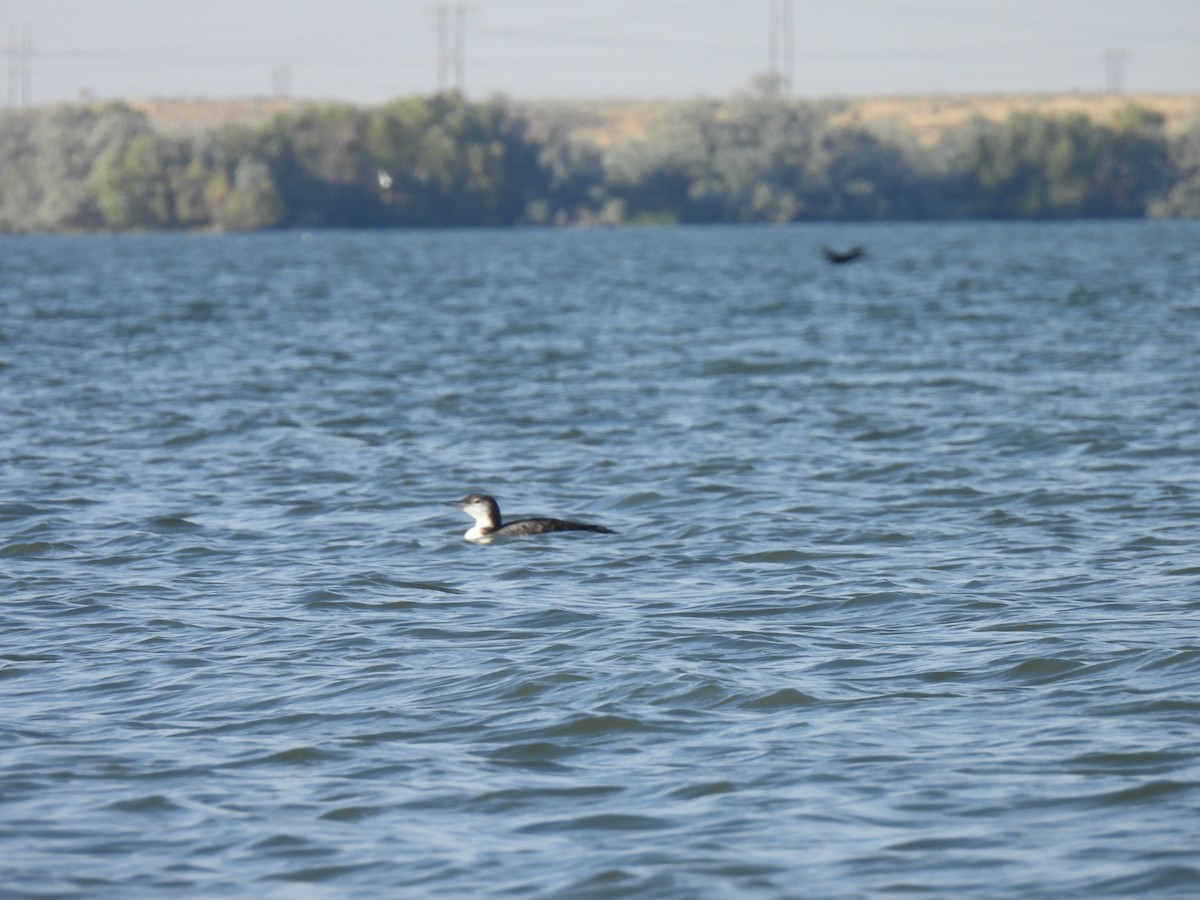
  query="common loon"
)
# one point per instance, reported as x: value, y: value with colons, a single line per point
x: 486, y: 513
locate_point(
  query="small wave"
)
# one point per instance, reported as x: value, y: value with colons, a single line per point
x: 593, y: 726
x: 703, y: 789
x: 12, y: 511
x: 599, y: 822
x: 149, y: 804
x: 1150, y: 881
x: 1152, y: 792
x: 293, y: 756
x: 1044, y: 670
x: 1129, y: 764
x: 23, y: 550
x: 353, y: 813
x: 534, y: 754
x: 787, y: 698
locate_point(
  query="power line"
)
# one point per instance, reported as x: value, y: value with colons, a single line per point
x: 603, y: 43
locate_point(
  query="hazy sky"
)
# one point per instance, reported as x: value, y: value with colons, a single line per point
x: 368, y: 51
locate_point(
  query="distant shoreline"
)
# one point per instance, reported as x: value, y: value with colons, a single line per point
x: 445, y: 160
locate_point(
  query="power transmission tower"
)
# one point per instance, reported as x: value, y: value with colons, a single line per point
x: 19, y: 47
x: 782, y: 44
x: 11, y: 56
x: 452, y: 29
x: 281, y: 80
x: 1114, y: 70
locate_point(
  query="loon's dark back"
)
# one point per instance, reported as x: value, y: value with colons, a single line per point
x: 524, y: 527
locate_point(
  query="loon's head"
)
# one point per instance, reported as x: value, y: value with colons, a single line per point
x: 484, y: 510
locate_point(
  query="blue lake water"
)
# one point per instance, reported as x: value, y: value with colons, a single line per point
x: 905, y: 598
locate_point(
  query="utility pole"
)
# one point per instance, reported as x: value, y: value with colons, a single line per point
x: 782, y: 44
x: 451, y: 19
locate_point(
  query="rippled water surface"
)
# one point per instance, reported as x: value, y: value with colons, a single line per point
x: 905, y: 598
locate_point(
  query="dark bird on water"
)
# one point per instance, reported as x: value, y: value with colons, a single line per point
x: 837, y: 257
x: 486, y: 513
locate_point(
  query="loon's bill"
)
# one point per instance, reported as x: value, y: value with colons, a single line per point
x: 488, y: 525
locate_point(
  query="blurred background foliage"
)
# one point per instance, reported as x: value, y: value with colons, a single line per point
x: 444, y: 161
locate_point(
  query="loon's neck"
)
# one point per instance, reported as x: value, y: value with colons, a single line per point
x: 483, y: 528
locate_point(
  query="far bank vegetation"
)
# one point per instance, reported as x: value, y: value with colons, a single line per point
x: 443, y: 161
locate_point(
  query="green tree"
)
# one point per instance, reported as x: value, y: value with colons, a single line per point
x: 445, y: 161
x: 1036, y: 166
x: 132, y: 182
x: 320, y: 167
x: 572, y: 183
x: 1182, y: 200
x: 230, y: 182
x: 760, y: 158
x: 20, y: 193
x: 47, y: 158
x: 249, y: 201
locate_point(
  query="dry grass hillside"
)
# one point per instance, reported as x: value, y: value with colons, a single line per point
x: 608, y: 122
x: 198, y: 114
x: 930, y: 117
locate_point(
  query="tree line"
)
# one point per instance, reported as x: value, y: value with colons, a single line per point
x: 443, y: 161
